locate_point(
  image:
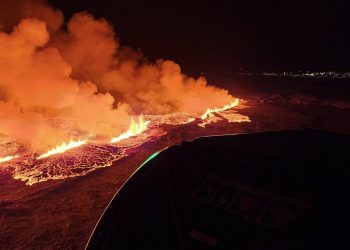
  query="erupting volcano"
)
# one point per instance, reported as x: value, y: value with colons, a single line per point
x: 67, y: 89
x: 83, y: 115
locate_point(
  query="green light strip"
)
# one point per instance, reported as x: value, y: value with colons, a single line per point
x: 150, y: 158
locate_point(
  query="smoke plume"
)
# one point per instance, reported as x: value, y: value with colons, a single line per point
x: 83, y: 74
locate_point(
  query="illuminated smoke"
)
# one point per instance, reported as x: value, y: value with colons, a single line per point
x: 91, y: 48
x: 82, y: 74
x: 12, y: 12
x: 35, y: 85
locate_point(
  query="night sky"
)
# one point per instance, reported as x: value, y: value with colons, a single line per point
x: 223, y: 37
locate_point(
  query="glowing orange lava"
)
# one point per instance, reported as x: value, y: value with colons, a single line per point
x: 135, y: 128
x: 189, y: 120
x: 62, y: 148
x: 214, y: 110
x: 8, y: 158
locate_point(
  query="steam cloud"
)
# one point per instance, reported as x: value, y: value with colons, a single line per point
x: 83, y: 74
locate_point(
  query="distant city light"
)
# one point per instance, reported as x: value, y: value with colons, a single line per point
x: 329, y: 74
x: 307, y: 74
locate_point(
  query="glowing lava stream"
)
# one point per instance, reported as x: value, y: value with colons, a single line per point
x: 8, y: 158
x: 63, y: 148
x: 214, y: 110
x: 134, y: 129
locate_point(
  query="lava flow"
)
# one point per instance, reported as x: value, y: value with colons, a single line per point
x: 135, y: 128
x: 215, y: 110
x: 87, y: 157
x: 8, y: 158
x: 62, y: 148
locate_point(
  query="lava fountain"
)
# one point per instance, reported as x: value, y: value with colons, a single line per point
x: 135, y: 129
x: 62, y: 148
x: 209, y: 111
x: 8, y: 158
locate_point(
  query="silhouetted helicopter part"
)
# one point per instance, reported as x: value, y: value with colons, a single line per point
x: 272, y: 190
